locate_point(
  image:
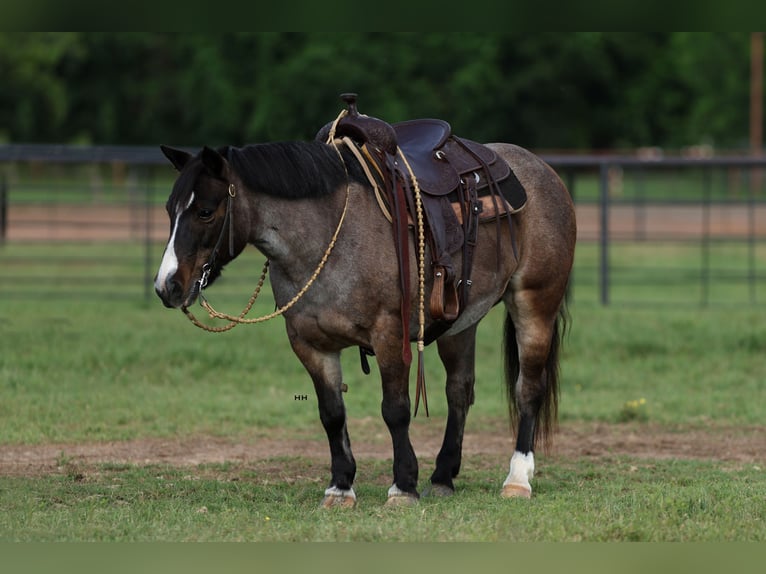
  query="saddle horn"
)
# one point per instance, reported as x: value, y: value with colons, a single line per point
x: 361, y: 128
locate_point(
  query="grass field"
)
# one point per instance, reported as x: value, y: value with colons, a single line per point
x: 666, y: 273
x: 674, y: 273
x: 79, y: 373
x: 122, y: 422
x: 575, y: 501
x: 82, y: 183
x: 75, y: 371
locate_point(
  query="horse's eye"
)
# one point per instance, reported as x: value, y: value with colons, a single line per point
x: 205, y: 215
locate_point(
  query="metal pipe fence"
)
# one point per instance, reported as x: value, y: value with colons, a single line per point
x: 89, y: 222
x: 680, y: 230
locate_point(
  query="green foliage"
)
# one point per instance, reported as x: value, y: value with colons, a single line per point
x: 540, y: 90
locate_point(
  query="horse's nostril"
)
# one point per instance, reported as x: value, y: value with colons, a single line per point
x: 170, y: 292
x: 173, y: 287
x: 163, y: 297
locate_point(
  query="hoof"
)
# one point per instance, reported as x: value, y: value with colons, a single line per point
x: 516, y: 491
x: 335, y: 497
x: 398, y: 500
x: 439, y: 491
x: 336, y: 501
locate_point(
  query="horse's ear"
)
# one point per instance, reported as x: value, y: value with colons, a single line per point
x: 213, y: 161
x: 177, y: 157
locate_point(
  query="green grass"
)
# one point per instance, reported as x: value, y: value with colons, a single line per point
x: 689, y: 365
x: 107, y: 270
x: 75, y: 184
x: 118, y: 371
x: 76, y: 370
x: 649, y: 272
x: 683, y: 184
x: 612, y: 500
x: 674, y: 273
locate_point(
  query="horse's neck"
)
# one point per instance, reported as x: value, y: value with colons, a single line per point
x: 293, y: 232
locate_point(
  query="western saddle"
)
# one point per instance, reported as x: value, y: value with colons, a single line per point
x: 459, y: 183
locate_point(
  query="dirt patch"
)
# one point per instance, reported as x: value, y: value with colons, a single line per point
x: 575, y: 440
x: 94, y: 222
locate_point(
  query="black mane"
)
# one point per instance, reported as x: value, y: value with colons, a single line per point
x: 293, y: 170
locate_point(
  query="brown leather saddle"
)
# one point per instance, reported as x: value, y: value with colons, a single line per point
x: 462, y: 183
x: 440, y: 159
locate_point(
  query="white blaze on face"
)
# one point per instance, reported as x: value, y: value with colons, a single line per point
x: 169, y: 264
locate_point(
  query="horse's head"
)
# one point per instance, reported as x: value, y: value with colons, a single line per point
x: 202, y: 233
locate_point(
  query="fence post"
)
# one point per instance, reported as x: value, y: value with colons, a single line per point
x: 148, y: 196
x: 752, y: 278
x: 604, y: 232
x: 3, y: 209
x: 707, y: 180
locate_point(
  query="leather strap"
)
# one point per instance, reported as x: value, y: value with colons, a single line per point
x: 398, y: 203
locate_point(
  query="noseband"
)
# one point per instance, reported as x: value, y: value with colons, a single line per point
x: 208, y: 267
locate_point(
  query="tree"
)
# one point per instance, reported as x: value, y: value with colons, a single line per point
x: 34, y: 101
x: 581, y: 90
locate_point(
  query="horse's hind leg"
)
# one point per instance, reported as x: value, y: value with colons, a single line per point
x: 531, y: 348
x: 458, y: 356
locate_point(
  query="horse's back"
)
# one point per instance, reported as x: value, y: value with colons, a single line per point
x: 538, y: 178
x: 546, y: 225
x: 547, y: 196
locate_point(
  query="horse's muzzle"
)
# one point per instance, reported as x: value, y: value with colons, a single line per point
x: 171, y: 293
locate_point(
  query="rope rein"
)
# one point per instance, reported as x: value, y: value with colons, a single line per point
x: 421, y: 253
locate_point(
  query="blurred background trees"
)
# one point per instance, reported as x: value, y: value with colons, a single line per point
x: 550, y: 90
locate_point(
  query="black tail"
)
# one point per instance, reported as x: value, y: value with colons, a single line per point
x: 549, y: 401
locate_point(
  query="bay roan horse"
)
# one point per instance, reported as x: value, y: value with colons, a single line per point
x: 287, y: 198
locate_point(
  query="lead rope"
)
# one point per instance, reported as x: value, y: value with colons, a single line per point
x: 240, y: 319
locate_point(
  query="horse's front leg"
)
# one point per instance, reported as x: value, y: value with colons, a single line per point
x: 395, y: 409
x: 325, y: 372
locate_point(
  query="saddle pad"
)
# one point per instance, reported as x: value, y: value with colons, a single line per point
x: 510, y: 189
x: 513, y: 192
